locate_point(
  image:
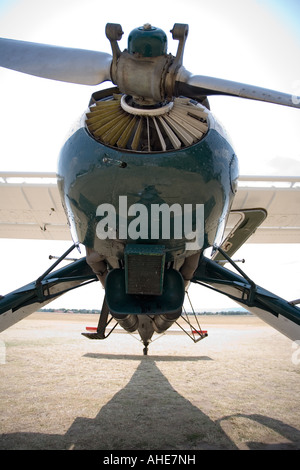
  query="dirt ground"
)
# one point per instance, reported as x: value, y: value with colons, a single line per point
x: 236, y: 389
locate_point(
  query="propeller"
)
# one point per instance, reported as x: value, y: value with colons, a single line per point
x: 195, y: 86
x: 64, y: 64
x: 150, y: 77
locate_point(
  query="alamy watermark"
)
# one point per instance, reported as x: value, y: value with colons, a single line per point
x: 160, y: 221
x: 296, y: 353
x: 296, y: 92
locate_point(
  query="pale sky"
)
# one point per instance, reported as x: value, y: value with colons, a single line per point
x: 251, y: 41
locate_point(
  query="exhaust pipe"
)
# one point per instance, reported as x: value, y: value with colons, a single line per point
x: 162, y: 322
x: 130, y: 323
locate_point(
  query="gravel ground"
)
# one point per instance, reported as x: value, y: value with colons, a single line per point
x: 236, y: 389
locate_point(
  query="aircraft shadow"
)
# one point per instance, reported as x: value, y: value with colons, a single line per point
x: 147, y: 414
x: 136, y: 357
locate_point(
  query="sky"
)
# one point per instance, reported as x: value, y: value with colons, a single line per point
x: 250, y: 41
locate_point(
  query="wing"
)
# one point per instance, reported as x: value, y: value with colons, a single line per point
x: 30, y: 207
x: 280, y: 198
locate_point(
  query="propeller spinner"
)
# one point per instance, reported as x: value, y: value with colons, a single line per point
x: 144, y: 71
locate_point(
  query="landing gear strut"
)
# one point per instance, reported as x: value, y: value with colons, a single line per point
x: 145, y: 350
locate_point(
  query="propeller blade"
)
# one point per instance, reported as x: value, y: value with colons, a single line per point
x: 196, y: 86
x: 56, y: 63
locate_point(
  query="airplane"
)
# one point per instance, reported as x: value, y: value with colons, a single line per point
x: 148, y: 183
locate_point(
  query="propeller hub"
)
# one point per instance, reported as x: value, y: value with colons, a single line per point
x: 147, y: 41
x: 145, y: 71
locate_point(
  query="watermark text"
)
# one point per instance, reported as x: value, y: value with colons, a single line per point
x: 159, y: 222
x: 296, y: 353
x: 296, y: 92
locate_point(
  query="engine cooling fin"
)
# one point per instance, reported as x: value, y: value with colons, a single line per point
x: 175, y: 125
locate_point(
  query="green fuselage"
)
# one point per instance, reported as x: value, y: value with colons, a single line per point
x: 91, y: 174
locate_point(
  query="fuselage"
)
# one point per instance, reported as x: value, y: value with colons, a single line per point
x: 93, y: 176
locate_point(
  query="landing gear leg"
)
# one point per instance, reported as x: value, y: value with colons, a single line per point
x: 145, y: 350
x: 145, y: 331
